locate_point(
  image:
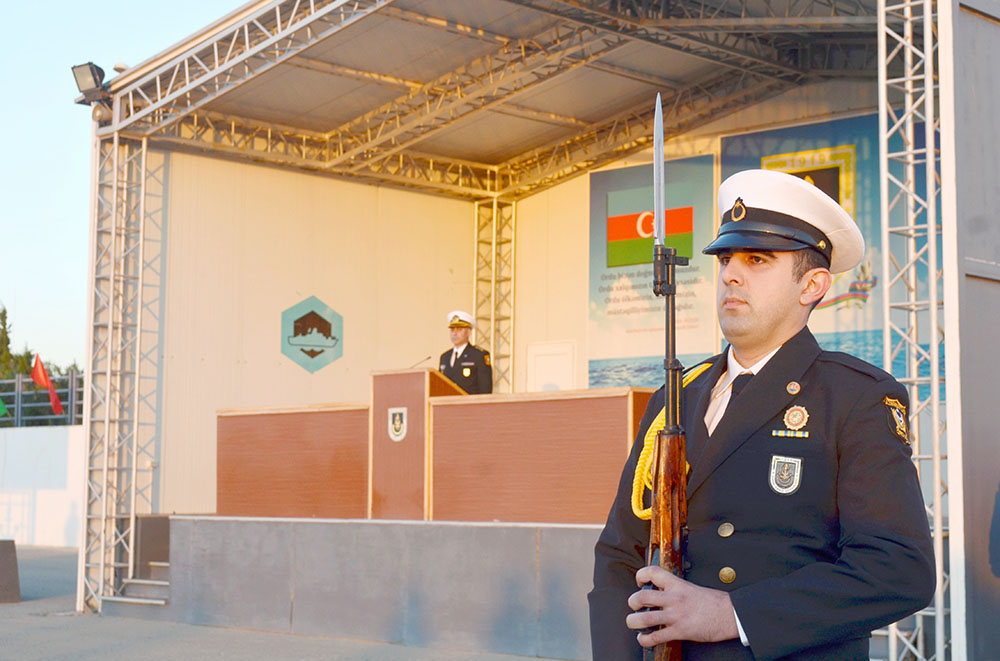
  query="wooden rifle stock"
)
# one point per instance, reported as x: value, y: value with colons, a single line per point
x: 668, y: 525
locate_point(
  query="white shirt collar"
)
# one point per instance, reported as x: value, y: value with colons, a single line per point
x: 734, y: 369
x: 458, y: 350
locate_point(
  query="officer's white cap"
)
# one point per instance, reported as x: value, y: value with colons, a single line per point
x: 771, y: 210
x: 460, y: 319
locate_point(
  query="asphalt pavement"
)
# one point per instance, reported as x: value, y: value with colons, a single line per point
x: 45, y: 625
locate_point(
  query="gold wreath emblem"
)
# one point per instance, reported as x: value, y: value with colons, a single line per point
x: 739, y: 211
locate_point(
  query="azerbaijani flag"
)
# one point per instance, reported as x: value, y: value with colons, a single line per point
x: 630, y: 235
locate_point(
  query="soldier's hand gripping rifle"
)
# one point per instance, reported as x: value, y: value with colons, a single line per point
x: 668, y: 525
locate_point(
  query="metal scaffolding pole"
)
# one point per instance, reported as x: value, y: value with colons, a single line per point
x: 117, y: 486
x: 493, y: 288
x: 913, y: 308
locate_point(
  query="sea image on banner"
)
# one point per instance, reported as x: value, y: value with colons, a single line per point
x: 626, y: 329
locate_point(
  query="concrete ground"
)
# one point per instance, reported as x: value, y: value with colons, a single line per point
x: 44, y: 625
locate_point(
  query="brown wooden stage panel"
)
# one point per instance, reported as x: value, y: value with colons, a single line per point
x: 310, y: 462
x: 538, y: 457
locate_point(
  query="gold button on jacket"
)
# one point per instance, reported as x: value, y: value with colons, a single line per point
x: 726, y: 529
x: 727, y: 574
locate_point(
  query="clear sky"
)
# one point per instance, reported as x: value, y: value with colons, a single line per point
x: 45, y: 169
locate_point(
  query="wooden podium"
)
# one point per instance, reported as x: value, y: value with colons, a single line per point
x: 400, y: 446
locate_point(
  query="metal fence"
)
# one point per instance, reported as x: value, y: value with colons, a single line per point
x: 28, y: 405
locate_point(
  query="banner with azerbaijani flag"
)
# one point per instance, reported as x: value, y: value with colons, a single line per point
x: 630, y: 235
x: 626, y: 320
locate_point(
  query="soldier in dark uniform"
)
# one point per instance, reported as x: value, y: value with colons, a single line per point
x: 806, y: 519
x: 466, y: 365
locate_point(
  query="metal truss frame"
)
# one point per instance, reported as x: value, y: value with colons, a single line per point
x: 493, y: 285
x: 913, y: 305
x: 632, y: 131
x: 230, y: 58
x: 597, y: 144
x: 167, y: 104
x: 483, y: 83
x: 736, y: 34
x: 121, y: 454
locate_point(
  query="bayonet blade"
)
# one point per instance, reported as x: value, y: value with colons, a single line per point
x: 659, y: 211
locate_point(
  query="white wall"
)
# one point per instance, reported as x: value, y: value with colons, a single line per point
x: 41, y: 485
x: 246, y: 242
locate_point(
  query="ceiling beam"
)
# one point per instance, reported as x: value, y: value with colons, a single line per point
x: 767, y: 25
x: 445, y: 25
x: 539, y: 116
x: 386, y: 80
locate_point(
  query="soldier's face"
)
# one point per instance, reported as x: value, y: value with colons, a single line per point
x: 459, y: 335
x: 760, y: 302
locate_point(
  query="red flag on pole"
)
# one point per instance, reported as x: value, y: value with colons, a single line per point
x: 41, y: 379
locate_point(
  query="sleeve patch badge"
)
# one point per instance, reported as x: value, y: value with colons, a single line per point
x: 896, y: 412
x: 486, y: 358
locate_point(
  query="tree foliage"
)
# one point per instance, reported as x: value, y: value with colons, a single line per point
x: 14, y: 363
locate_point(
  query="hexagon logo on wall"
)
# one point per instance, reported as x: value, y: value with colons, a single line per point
x: 312, y: 334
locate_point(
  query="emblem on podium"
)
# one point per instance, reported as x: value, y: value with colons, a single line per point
x: 397, y: 423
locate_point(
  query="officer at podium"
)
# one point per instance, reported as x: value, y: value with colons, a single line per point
x: 466, y: 365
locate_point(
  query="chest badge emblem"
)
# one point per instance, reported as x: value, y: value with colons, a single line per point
x: 796, y: 417
x: 785, y: 474
x: 467, y: 372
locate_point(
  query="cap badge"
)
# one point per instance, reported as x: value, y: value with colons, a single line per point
x: 897, y: 418
x: 793, y: 388
x: 796, y: 417
x: 785, y: 474
x: 455, y: 319
x: 739, y: 211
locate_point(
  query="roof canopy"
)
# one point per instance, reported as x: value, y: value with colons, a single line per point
x: 477, y: 99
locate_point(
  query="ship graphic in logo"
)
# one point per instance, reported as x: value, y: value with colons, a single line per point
x: 312, y: 334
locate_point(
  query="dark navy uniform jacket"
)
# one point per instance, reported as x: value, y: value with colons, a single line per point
x: 815, y: 570
x: 472, y: 371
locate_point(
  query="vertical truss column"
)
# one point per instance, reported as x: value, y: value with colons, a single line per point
x: 913, y: 309
x: 493, y: 288
x: 112, y: 393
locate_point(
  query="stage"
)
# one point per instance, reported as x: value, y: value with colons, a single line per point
x: 508, y: 588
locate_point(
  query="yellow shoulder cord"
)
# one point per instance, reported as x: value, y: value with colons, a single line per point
x: 644, y: 468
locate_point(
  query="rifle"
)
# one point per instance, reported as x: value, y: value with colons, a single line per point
x: 668, y: 525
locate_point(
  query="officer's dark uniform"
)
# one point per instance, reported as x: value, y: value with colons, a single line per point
x: 804, y: 504
x: 813, y: 571
x: 472, y: 371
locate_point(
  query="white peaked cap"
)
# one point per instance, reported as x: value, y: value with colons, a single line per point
x: 772, y: 210
x: 460, y: 319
